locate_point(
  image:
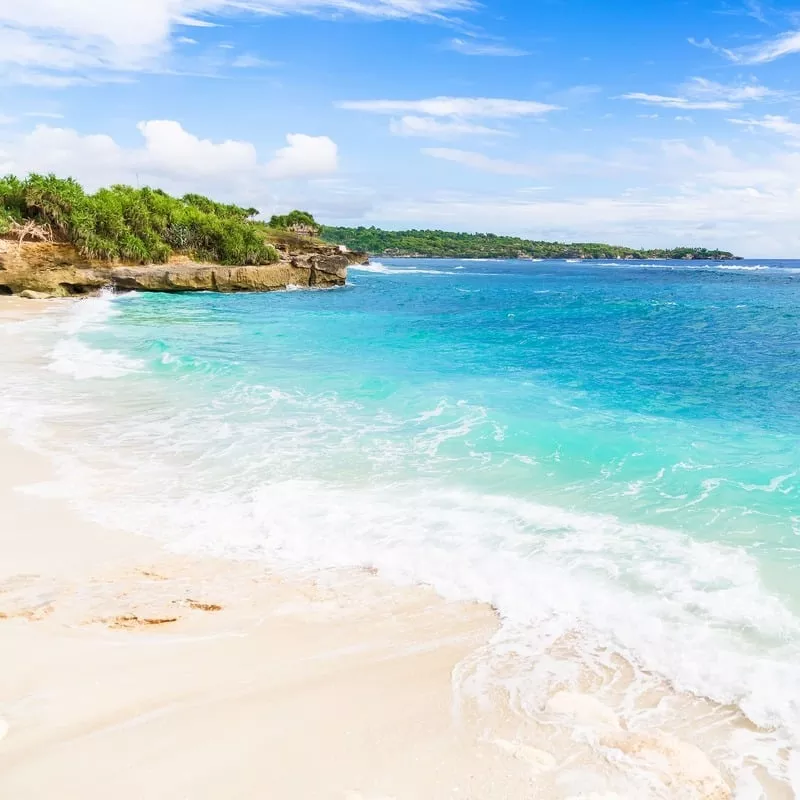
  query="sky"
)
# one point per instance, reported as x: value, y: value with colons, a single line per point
x: 659, y: 123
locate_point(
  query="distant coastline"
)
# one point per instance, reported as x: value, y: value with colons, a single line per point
x: 447, y: 244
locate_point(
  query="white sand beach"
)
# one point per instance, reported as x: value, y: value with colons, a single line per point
x: 128, y: 671
x: 131, y: 673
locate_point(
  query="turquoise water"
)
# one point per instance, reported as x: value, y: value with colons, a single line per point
x: 606, y: 451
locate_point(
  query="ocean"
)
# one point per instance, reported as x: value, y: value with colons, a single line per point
x: 606, y: 452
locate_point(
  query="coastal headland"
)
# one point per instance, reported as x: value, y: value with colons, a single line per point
x: 57, y: 240
x: 52, y: 269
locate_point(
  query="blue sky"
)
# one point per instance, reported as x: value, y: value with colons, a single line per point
x: 658, y: 123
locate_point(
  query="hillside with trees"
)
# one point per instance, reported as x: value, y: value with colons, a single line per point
x: 140, y: 226
x: 445, y: 244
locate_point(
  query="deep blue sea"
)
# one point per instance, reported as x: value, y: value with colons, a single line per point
x: 607, y: 452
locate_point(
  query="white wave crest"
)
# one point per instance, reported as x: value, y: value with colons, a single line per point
x: 740, y: 267
x: 381, y: 269
x: 90, y: 312
x: 73, y: 357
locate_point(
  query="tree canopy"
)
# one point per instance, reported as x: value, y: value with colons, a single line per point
x: 295, y: 220
x: 445, y: 244
x: 135, y: 225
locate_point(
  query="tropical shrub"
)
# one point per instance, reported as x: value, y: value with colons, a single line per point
x: 135, y: 225
x: 296, y: 221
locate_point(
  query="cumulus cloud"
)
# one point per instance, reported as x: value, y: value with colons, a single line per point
x: 304, y: 156
x: 463, y: 107
x: 170, y: 156
x: 171, y: 150
x: 432, y: 128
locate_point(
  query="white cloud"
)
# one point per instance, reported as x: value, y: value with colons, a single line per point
x: 87, y: 36
x: 773, y: 123
x: 784, y: 45
x: 701, y: 93
x: 552, y: 163
x: 762, y: 53
x: 432, y: 128
x: 43, y: 114
x: 305, y: 156
x: 186, y: 40
x: 170, y: 156
x: 680, y: 102
x: 463, y: 107
x: 481, y: 162
x: 6, y: 120
x: 736, y: 93
x: 173, y: 151
x: 248, y: 61
x: 473, y: 47
x: 20, y: 49
x: 95, y: 158
x: 194, y: 22
x: 581, y: 93
x: 750, y: 8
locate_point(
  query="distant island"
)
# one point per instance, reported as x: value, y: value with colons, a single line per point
x: 446, y: 244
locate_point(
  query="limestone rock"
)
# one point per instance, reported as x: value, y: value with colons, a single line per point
x: 58, y: 270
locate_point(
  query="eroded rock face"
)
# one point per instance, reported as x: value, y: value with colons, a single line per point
x: 58, y: 270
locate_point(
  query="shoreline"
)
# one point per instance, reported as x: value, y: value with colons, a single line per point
x: 178, y: 675
x: 181, y: 676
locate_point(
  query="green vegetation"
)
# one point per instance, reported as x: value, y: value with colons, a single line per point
x: 297, y: 221
x: 442, y: 244
x: 134, y: 225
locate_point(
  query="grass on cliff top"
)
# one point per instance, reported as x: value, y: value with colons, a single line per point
x: 134, y: 225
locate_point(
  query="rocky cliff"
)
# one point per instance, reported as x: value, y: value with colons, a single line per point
x: 39, y: 269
